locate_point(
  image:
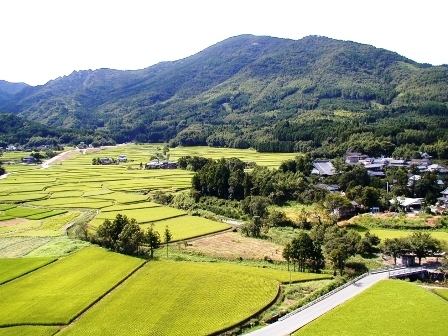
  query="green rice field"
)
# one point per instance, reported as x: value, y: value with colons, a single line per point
x: 443, y: 293
x: 184, y: 290
x: 15, y: 267
x: 82, y: 278
x: 185, y: 227
x: 391, y: 307
x: 29, y: 330
x: 385, y: 233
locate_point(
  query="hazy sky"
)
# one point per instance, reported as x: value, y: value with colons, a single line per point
x: 45, y: 39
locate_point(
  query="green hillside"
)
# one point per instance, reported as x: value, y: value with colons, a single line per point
x: 268, y: 93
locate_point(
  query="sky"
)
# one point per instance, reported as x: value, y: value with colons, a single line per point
x: 45, y: 39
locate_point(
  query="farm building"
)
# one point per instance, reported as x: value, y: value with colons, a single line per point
x: 323, y: 168
x: 29, y: 160
x: 122, y: 158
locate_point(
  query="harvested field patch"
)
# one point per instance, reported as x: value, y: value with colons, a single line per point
x: 232, y: 245
x: 15, y: 247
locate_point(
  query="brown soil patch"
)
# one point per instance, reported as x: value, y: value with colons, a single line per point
x: 12, y: 222
x: 232, y: 245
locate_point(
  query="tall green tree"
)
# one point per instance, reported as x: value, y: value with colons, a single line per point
x: 423, y: 244
x: 301, y: 250
x: 152, y: 239
x: 130, y: 238
x: 394, y: 247
x: 168, y: 236
x: 338, y: 256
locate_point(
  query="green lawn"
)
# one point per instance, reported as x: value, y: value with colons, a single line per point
x: 15, y: 267
x: 178, y: 298
x: 391, y: 307
x: 57, y: 293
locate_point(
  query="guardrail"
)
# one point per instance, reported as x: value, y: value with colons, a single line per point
x: 386, y: 269
x: 406, y: 271
x: 323, y: 297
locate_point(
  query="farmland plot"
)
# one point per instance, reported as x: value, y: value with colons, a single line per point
x: 390, y: 307
x: 143, y: 215
x: 12, y: 268
x: 28, y: 330
x: 15, y: 247
x: 82, y: 278
x: 186, y: 227
x: 180, y: 298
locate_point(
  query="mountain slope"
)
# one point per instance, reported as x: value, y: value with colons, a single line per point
x: 242, y: 89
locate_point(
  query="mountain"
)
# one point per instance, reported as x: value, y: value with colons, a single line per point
x: 248, y: 91
x: 7, y: 89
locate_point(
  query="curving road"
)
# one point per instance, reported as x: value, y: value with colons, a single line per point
x: 298, y: 320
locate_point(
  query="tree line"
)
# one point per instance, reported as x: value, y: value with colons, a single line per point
x: 124, y: 235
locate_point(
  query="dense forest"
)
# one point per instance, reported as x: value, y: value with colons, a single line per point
x: 315, y: 95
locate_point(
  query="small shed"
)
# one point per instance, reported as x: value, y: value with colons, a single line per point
x: 408, y: 260
x: 29, y: 159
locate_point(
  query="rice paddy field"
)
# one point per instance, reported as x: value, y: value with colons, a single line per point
x: 391, y: 307
x: 184, y: 290
x: 385, y: 233
x: 14, y: 268
x: 82, y: 278
x: 98, y: 284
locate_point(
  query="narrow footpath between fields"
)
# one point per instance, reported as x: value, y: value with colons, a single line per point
x: 297, y: 321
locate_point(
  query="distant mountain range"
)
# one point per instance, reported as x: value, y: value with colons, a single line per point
x: 239, y: 93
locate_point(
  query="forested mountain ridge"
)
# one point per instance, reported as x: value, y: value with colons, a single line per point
x: 7, y: 89
x: 268, y: 93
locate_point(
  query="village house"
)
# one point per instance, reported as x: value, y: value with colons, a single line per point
x: 323, y: 168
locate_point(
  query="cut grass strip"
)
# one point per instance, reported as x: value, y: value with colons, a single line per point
x: 50, y: 302
x: 15, y: 267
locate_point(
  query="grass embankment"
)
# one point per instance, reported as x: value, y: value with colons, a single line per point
x: 391, y: 307
x: 57, y: 293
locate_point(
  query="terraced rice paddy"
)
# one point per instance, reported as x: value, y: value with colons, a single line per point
x: 14, y: 268
x: 186, y: 291
x: 59, y: 302
x: 385, y: 233
x: 391, y: 307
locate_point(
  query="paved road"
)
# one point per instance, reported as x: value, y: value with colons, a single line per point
x: 304, y: 317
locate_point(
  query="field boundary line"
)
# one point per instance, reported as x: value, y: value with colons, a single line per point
x: 97, y: 300
x: 30, y: 271
x: 261, y: 310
